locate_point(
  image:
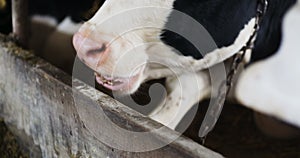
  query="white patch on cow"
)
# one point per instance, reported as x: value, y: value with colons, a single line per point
x: 68, y: 26
x: 272, y: 86
x: 46, y: 20
x: 184, y: 92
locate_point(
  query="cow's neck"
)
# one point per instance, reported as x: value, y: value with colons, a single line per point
x: 269, y: 37
x: 225, y: 19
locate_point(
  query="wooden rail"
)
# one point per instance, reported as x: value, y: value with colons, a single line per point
x: 37, y: 98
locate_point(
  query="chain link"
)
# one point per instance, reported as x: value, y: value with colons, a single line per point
x: 239, y: 57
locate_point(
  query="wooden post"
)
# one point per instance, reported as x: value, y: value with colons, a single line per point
x: 20, y: 21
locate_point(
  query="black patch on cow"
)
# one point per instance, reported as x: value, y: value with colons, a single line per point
x: 59, y: 9
x: 224, y: 19
x: 270, y: 33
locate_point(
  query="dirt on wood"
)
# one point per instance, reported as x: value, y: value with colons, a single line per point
x: 9, y: 145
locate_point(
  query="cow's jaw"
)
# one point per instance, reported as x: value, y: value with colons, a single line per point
x: 121, y: 85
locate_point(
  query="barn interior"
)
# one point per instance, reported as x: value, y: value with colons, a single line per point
x: 240, y: 131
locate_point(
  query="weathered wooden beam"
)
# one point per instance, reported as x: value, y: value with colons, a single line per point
x: 20, y: 21
x: 38, y: 99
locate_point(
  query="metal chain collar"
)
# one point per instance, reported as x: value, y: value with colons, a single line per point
x: 238, y: 57
x: 226, y: 85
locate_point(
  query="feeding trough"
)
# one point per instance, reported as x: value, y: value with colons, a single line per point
x: 37, y: 98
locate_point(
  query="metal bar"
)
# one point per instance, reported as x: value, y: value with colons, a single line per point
x: 20, y: 21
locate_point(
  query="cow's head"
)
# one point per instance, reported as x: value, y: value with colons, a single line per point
x: 115, y: 41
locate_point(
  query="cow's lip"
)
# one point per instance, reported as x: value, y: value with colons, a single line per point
x: 115, y: 83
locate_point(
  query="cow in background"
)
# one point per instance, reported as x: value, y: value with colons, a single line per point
x: 52, y: 23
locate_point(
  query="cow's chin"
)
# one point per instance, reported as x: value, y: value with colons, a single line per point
x: 120, y: 86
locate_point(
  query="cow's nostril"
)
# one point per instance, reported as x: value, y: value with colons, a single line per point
x: 97, y: 51
x: 89, y: 49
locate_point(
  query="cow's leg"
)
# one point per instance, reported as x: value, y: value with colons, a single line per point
x: 183, y: 92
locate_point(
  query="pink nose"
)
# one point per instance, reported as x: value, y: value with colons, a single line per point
x: 89, y: 50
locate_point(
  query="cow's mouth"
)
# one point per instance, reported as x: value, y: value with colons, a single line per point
x: 116, y: 83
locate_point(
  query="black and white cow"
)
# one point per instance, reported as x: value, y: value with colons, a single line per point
x: 126, y: 43
x: 58, y: 10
